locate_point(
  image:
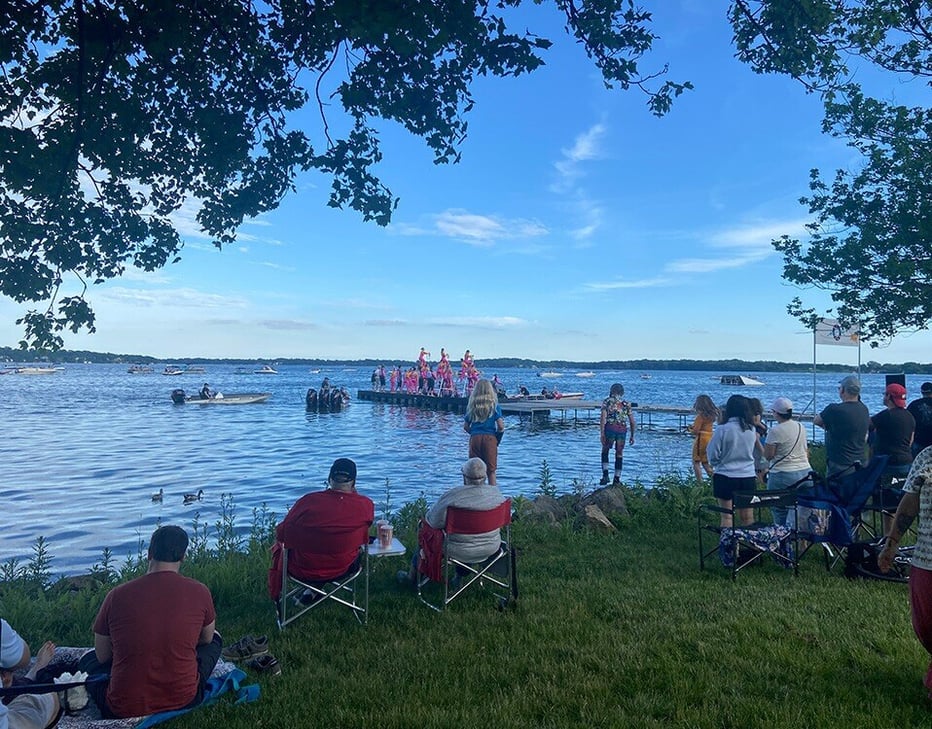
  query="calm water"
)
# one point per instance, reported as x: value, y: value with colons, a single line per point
x: 83, y: 450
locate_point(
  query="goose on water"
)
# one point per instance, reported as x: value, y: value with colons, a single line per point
x: 158, y: 495
x: 191, y: 498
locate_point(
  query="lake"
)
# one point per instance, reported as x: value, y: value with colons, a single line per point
x: 84, y: 449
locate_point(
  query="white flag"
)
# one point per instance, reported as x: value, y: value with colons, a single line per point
x: 829, y: 331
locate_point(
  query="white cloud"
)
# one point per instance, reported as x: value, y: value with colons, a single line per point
x: 182, y: 297
x: 487, y: 322
x: 587, y: 146
x: 644, y: 283
x: 475, y: 229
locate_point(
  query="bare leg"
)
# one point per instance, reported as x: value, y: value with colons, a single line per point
x: 726, y: 520
x: 697, y: 469
x: 44, y: 657
x: 708, y: 469
x: 746, y: 516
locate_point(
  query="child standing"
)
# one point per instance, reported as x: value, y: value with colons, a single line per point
x: 706, y: 415
x: 616, y: 422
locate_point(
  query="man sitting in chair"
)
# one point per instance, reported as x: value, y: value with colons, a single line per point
x: 338, y: 507
x: 475, y: 494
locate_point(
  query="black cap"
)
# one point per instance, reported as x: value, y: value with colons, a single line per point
x: 343, y: 469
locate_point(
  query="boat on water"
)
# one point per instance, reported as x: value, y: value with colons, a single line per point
x: 315, y: 372
x: 139, y: 369
x: 585, y: 374
x: 550, y: 374
x: 179, y: 397
x: 172, y: 371
x: 265, y: 370
x: 553, y: 396
x: 194, y: 370
x: 35, y: 370
x: 740, y: 380
x: 645, y: 376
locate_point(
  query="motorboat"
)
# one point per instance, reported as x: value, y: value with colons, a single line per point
x: 172, y: 371
x: 37, y: 370
x: 179, y: 397
x: 140, y: 369
x: 740, y: 380
x: 550, y: 374
x: 265, y: 370
x: 646, y: 376
x: 194, y: 370
x: 585, y: 374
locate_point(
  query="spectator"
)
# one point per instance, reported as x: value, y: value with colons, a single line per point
x: 892, y: 430
x: 846, y: 424
x: 706, y: 415
x: 25, y: 711
x: 484, y: 423
x: 787, y: 452
x: 916, y: 501
x: 616, y: 424
x: 473, y: 494
x: 731, y: 453
x: 921, y: 410
x: 156, y: 637
x: 336, y: 507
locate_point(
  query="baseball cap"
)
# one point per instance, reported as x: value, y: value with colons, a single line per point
x: 782, y: 405
x: 851, y: 384
x: 343, y: 469
x: 897, y: 393
x: 926, y: 387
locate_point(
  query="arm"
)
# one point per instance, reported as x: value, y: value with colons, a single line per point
x: 602, y: 417
x: 770, y: 450
x: 905, y: 513
x: 103, y: 647
x: 817, y: 421
x: 207, y: 633
x: 500, y: 425
x: 630, y: 427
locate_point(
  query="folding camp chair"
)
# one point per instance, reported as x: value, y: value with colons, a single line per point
x: 344, y: 589
x: 740, y: 546
x: 496, y: 573
x: 843, y: 498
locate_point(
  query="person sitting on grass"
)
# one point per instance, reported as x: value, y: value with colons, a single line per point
x: 25, y: 711
x: 155, y: 636
x: 475, y: 494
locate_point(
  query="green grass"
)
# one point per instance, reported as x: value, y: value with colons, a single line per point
x: 610, y: 630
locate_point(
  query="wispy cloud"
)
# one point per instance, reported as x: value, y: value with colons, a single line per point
x: 475, y: 229
x: 488, y: 322
x: 183, y: 297
x: 286, y: 324
x: 586, y: 146
x: 386, y: 323
x: 644, y: 283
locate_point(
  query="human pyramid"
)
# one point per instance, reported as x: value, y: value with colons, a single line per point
x: 422, y: 378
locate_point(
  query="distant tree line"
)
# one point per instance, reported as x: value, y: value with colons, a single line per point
x: 11, y: 354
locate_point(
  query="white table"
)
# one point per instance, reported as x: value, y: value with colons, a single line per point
x: 395, y: 549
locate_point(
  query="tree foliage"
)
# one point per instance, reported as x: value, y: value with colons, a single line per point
x: 871, y: 234
x: 116, y: 114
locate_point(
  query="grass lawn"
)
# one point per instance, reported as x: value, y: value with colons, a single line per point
x: 611, y: 630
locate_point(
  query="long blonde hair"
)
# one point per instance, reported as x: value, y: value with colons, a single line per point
x: 482, y: 402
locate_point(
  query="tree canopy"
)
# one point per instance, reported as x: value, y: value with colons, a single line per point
x: 871, y: 234
x: 116, y: 114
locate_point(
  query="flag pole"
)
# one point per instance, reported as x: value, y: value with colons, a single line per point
x: 814, y: 410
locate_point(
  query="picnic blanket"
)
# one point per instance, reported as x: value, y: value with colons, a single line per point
x: 226, y: 678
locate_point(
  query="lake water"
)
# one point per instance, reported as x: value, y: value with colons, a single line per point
x: 83, y: 450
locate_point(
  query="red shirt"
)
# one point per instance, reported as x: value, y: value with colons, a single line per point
x: 154, y: 623
x: 335, y: 510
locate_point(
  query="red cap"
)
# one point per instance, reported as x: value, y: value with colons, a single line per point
x: 897, y: 394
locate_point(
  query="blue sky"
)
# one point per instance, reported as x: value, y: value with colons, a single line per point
x: 577, y: 226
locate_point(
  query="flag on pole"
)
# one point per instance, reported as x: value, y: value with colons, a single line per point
x: 829, y: 331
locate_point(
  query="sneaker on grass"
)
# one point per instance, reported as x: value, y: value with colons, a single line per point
x: 248, y: 646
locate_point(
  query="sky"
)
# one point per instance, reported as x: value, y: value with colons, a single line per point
x: 577, y: 226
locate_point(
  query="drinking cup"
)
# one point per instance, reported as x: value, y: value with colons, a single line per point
x: 385, y: 535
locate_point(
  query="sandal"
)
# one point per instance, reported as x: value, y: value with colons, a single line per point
x: 266, y: 663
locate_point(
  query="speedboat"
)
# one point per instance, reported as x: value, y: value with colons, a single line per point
x: 172, y: 370
x: 585, y: 374
x: 234, y: 398
x: 194, y: 370
x: 139, y: 369
x: 266, y: 370
x: 740, y: 380
x: 550, y: 374
x: 37, y: 370
x: 646, y: 376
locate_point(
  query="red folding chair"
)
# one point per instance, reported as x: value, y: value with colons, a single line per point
x: 495, y: 573
x: 302, y: 594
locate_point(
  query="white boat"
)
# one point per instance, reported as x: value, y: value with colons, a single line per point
x: 585, y: 374
x: 172, y: 371
x: 551, y: 375
x: 138, y: 369
x: 646, y: 376
x: 315, y: 372
x: 194, y: 370
x: 234, y: 398
x: 37, y: 370
x: 265, y: 370
x: 740, y: 380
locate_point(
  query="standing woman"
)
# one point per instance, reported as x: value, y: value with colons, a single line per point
x: 706, y: 415
x: 787, y: 452
x: 616, y: 421
x: 731, y: 453
x: 485, y: 424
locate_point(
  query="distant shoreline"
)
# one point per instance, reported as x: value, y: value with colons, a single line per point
x: 726, y: 366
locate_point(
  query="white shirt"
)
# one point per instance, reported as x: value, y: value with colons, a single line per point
x: 792, y: 448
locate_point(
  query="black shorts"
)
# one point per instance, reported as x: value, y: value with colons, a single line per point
x: 724, y: 487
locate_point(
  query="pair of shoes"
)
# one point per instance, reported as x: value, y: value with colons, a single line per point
x: 248, y: 646
x: 604, y: 480
x: 266, y: 663
x: 616, y: 481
